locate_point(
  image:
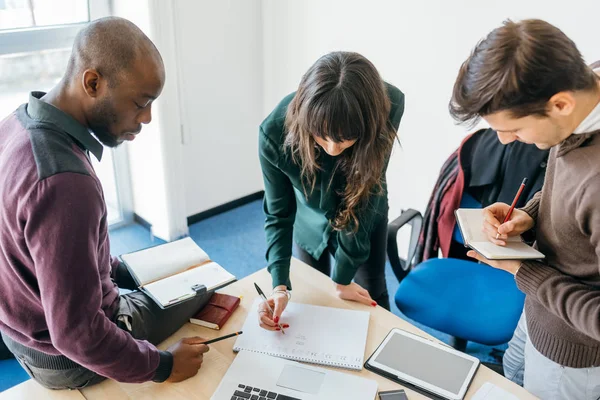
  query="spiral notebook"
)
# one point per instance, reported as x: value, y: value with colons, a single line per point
x: 317, y: 335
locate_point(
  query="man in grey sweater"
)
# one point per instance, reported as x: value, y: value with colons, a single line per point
x: 530, y: 83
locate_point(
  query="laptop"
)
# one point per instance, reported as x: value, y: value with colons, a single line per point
x: 255, y: 376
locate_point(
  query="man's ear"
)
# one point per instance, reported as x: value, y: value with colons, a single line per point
x: 92, y: 82
x: 562, y: 103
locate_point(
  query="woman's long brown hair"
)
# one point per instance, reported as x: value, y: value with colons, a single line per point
x: 341, y: 98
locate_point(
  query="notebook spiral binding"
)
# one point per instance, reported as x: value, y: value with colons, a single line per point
x: 352, y: 367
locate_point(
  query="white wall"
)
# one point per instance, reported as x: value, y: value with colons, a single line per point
x: 417, y: 46
x: 155, y: 156
x: 220, y: 64
x: 200, y: 150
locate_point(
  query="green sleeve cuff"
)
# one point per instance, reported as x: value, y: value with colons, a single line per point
x: 342, y: 276
x: 344, y: 270
x: 280, y: 275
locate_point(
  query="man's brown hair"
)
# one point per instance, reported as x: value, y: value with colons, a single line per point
x: 518, y: 67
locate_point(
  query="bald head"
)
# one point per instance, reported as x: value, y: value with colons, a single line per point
x: 111, y: 46
x: 113, y: 77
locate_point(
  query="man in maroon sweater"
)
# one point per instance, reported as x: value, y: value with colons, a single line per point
x: 530, y: 83
x: 60, y: 310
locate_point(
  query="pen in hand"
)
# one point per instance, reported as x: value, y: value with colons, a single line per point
x: 261, y: 294
x: 223, y: 337
x: 514, y: 203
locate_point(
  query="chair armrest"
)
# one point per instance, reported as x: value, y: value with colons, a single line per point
x: 401, y: 267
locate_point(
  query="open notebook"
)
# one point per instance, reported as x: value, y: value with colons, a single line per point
x: 175, y: 272
x: 470, y: 222
x: 318, y: 335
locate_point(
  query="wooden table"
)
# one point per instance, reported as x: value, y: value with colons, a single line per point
x: 32, y: 390
x: 310, y: 287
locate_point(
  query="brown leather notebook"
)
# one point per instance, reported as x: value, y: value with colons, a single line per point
x: 217, y: 311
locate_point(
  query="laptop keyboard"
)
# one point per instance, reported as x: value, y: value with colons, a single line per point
x: 251, y: 393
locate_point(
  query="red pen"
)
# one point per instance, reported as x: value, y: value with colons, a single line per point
x: 514, y: 203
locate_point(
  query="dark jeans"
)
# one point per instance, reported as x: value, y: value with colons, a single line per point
x: 370, y: 275
x: 148, y: 322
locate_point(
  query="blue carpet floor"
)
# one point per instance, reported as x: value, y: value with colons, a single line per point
x: 11, y: 374
x: 234, y: 239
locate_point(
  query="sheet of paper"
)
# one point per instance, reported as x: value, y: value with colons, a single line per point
x: 320, y: 335
x: 179, y: 286
x: 165, y: 260
x: 489, y: 391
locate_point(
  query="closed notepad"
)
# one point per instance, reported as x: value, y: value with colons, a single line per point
x: 470, y: 222
x: 217, y: 311
x: 319, y: 335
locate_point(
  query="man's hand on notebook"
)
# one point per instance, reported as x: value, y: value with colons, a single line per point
x: 278, y: 302
x: 498, y: 232
x: 354, y: 292
x: 188, y: 355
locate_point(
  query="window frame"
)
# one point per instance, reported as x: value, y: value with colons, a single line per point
x: 40, y: 38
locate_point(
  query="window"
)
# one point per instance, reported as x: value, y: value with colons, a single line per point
x: 34, y: 13
x: 35, y: 44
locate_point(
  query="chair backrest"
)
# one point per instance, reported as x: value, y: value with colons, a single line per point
x: 413, y: 218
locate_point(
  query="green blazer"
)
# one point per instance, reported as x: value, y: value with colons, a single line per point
x: 290, y: 215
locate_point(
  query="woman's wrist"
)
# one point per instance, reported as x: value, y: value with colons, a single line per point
x: 339, y: 285
x: 283, y: 290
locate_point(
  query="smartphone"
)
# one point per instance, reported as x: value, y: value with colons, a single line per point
x: 393, y: 395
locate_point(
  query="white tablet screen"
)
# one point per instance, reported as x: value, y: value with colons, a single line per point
x: 427, y: 363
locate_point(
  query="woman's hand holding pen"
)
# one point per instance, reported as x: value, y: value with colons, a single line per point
x: 497, y: 232
x: 278, y: 302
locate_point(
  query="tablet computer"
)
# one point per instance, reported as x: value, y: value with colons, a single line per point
x: 424, y: 365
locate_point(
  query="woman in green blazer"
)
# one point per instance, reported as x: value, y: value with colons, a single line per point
x: 324, y: 152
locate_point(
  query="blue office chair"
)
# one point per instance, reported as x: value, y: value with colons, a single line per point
x: 467, y: 300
